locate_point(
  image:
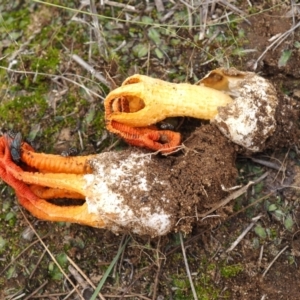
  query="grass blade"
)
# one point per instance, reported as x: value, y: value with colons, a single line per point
x: 106, y: 274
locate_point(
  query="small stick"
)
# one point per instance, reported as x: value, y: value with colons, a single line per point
x: 23, y: 46
x: 140, y: 296
x: 268, y: 164
x: 121, y: 257
x: 101, y: 43
x: 114, y: 144
x: 187, y: 267
x: 158, y: 270
x: 159, y: 5
x: 169, y: 14
x: 253, y: 203
x: 74, y: 265
x: 39, y: 261
x: 235, y: 195
x: 56, y: 77
x: 78, y: 277
x: 12, y: 297
x: 51, y: 255
x: 242, y: 235
x: 28, y: 247
x: 82, y: 275
x: 281, y: 37
x: 121, y: 5
x: 34, y: 292
x: 234, y: 8
x: 80, y: 139
x: 260, y: 256
x: 203, y: 20
x: 190, y: 19
x: 232, y: 197
x: 90, y: 69
x: 124, y: 294
x: 49, y: 295
x: 231, y: 188
x: 272, y: 262
x: 71, y: 292
x: 187, y: 4
x: 228, y: 199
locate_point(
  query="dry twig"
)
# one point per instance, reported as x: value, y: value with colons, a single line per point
x: 187, y: 267
x: 158, y: 269
x: 277, y: 41
x: 121, y: 5
x: 50, y: 254
x: 159, y: 5
x: 39, y: 261
x: 260, y: 256
x: 242, y: 235
x: 28, y: 247
x: 57, y: 77
x: 97, y: 28
x: 34, y: 292
x: 235, y: 195
x: 272, y: 262
x: 90, y: 69
x: 81, y: 274
x: 267, y: 163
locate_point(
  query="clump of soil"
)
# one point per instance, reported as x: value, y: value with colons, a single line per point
x: 200, y: 176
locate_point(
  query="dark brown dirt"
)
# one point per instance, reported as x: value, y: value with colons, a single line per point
x: 263, y: 27
x: 201, y: 175
x: 287, y: 132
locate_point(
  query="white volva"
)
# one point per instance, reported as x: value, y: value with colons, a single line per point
x: 116, y: 189
x: 250, y: 118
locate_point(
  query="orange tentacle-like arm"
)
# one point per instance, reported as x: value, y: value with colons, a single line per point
x: 61, y: 185
x: 148, y: 137
x: 55, y: 163
x: 52, y: 193
x: 71, y: 182
x: 50, y: 212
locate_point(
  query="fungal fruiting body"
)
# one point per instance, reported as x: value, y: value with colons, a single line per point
x: 130, y: 190
x: 241, y: 104
x: 148, y: 100
x: 132, y: 109
x: 116, y: 187
x: 249, y: 120
x: 125, y: 191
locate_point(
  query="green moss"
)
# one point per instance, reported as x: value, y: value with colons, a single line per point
x: 22, y: 112
x: 231, y: 270
x: 13, y: 20
x: 204, y: 287
x: 44, y: 62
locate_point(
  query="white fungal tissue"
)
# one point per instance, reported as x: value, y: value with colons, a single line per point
x: 250, y: 119
x: 120, y: 193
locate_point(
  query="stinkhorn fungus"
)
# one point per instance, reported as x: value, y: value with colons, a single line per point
x: 241, y: 104
x: 141, y: 192
x: 127, y: 191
